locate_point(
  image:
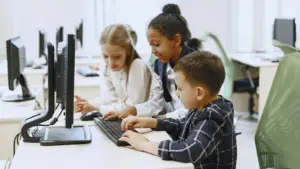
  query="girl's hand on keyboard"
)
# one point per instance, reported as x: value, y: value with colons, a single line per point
x: 110, y: 116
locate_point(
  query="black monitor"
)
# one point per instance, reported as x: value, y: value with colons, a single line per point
x: 285, y: 31
x: 79, y: 33
x: 33, y: 136
x: 16, y: 63
x: 59, y: 37
x: 42, y: 45
x: 59, y: 135
x: 68, y: 134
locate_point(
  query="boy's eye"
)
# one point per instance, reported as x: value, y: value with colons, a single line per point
x: 105, y: 56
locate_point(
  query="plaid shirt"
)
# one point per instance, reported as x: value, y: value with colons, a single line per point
x: 204, y: 137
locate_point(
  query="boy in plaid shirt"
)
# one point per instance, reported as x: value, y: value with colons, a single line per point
x: 205, y: 137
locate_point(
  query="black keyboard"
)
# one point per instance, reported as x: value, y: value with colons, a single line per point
x: 112, y: 129
x: 87, y: 72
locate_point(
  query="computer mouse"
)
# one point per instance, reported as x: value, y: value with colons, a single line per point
x: 90, y: 116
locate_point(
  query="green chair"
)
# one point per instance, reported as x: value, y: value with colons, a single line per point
x: 229, y: 67
x: 285, y: 48
x: 230, y: 85
x: 278, y: 134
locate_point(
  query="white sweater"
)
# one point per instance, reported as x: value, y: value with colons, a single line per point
x: 143, y: 90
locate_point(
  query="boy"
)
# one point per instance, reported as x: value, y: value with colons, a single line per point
x: 205, y: 137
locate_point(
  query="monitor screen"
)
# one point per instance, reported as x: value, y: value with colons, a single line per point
x: 285, y: 31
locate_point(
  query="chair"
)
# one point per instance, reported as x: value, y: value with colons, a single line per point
x: 278, y: 136
x: 230, y: 85
x: 285, y: 48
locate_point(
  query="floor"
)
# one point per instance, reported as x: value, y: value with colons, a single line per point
x: 247, y: 158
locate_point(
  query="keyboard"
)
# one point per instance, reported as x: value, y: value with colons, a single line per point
x: 87, y: 72
x: 112, y: 129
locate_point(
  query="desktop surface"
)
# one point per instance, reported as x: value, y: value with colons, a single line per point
x: 101, y: 153
x: 256, y: 59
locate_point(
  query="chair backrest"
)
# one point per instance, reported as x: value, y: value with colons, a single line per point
x: 285, y: 48
x: 278, y: 134
x: 227, y: 87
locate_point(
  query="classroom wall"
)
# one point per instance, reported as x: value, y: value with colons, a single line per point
x: 208, y: 16
x: 6, y: 29
x: 46, y: 15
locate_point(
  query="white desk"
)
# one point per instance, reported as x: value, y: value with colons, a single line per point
x: 11, y: 118
x: 34, y: 76
x: 267, y: 70
x: 101, y: 153
x: 4, y: 164
x: 86, y: 87
x: 81, y: 62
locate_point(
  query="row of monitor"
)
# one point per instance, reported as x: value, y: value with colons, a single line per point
x: 60, y: 81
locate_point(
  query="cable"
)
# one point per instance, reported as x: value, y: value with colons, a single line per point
x: 56, y: 118
x: 14, y: 144
x: 56, y: 107
x: 38, y: 104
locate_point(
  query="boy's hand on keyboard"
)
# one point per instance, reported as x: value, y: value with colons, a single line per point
x: 132, y: 122
x: 136, y: 140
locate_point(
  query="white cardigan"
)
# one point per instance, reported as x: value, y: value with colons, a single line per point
x: 143, y: 90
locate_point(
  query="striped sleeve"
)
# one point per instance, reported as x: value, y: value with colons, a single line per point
x: 197, y: 146
x: 171, y: 126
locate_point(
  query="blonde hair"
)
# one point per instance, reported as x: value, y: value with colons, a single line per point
x: 123, y: 36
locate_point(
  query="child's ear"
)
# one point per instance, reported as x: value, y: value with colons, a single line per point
x: 200, y: 93
x: 177, y: 40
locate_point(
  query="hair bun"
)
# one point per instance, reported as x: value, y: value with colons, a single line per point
x: 172, y: 9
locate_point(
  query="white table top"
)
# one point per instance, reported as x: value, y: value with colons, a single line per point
x: 16, y: 111
x: 256, y: 59
x: 4, y: 164
x: 101, y: 153
x: 27, y: 71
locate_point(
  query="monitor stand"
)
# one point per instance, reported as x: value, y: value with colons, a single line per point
x: 26, y: 94
x: 60, y: 135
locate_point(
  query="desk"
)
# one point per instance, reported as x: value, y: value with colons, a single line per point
x: 267, y: 71
x: 4, y: 164
x: 12, y: 116
x: 86, y: 87
x: 34, y: 76
x: 82, y: 62
x: 101, y: 153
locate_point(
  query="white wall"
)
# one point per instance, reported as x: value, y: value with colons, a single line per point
x: 26, y: 18
x: 208, y: 16
x: 6, y: 30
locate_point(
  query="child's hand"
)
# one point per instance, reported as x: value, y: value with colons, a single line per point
x: 110, y: 116
x: 138, y: 122
x: 122, y: 114
x: 94, y: 67
x: 136, y: 140
x: 82, y: 105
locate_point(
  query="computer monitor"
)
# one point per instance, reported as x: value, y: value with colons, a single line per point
x: 16, y: 63
x: 285, y: 31
x: 33, y: 136
x: 59, y: 37
x: 69, y: 134
x: 58, y: 135
x: 59, y: 83
x: 42, y: 45
x: 79, y: 33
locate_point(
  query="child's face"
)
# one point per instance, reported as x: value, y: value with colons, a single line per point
x: 189, y: 95
x: 162, y: 47
x: 114, y: 56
